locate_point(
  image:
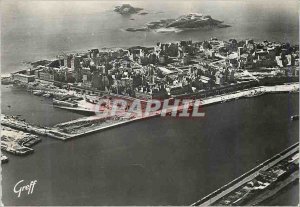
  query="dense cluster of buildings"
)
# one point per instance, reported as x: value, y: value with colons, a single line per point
x: 169, y: 68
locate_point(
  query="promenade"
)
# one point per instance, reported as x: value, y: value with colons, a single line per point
x: 251, y: 93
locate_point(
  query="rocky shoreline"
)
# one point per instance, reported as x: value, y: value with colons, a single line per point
x: 127, y: 9
x: 192, y: 21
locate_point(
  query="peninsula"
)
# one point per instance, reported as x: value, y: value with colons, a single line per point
x: 213, y: 71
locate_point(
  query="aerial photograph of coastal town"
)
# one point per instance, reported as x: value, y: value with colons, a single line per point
x: 150, y: 103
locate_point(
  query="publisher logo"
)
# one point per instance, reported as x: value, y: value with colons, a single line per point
x: 21, y: 186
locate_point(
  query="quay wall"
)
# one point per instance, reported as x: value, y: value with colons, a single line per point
x: 226, y: 189
x: 109, y: 126
x: 219, y: 90
x: 267, y: 81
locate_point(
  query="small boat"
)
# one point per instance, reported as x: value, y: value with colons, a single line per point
x: 38, y: 93
x: 4, y: 159
x: 47, y: 95
x: 64, y: 103
x: 254, y: 94
x: 295, y: 117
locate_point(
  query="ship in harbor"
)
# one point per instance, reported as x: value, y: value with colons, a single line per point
x: 255, y: 94
x: 64, y: 103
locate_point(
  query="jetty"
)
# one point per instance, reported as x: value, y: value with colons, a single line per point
x: 15, y: 123
x: 259, y: 183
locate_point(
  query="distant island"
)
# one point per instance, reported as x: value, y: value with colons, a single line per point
x: 127, y: 9
x: 185, y: 22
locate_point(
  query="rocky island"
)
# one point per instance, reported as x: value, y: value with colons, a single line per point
x: 127, y: 9
x: 185, y: 22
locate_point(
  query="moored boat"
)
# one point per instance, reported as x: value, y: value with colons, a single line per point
x: 64, y: 103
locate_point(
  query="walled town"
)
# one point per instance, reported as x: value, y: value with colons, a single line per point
x: 169, y: 69
x: 213, y: 71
